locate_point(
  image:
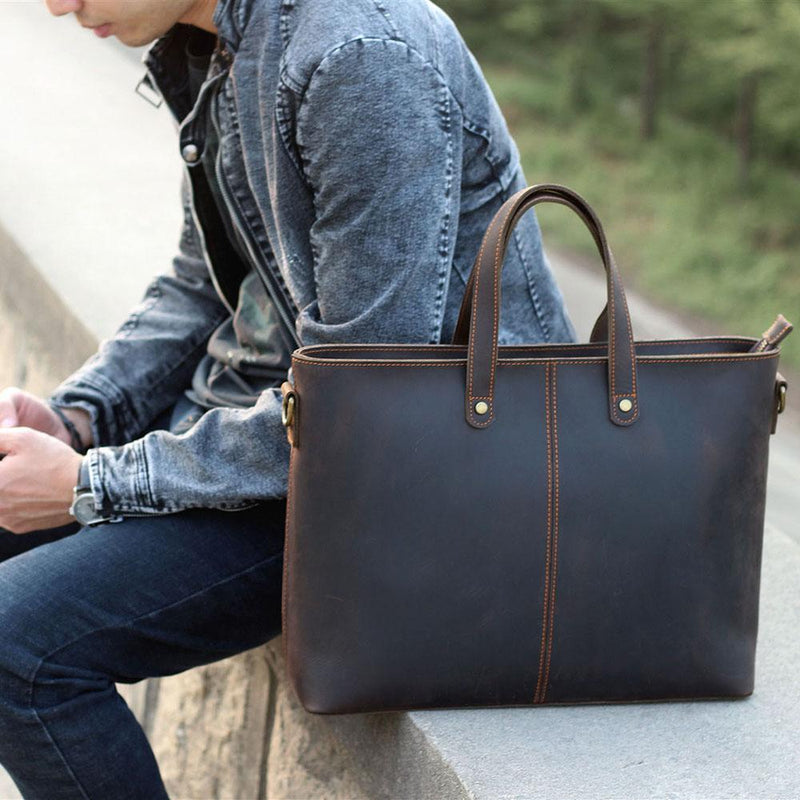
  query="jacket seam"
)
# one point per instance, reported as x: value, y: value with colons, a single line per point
x: 503, y: 177
x: 446, y: 242
x: 384, y: 12
x: 299, y: 89
x: 443, y: 109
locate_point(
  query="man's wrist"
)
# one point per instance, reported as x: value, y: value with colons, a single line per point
x: 78, y: 425
x: 83, y: 506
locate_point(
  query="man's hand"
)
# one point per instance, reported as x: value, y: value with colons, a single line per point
x: 19, y: 408
x: 37, y: 476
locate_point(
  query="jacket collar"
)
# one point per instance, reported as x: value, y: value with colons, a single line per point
x: 230, y: 18
x: 164, y: 59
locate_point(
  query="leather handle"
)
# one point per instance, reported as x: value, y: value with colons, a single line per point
x: 478, y: 319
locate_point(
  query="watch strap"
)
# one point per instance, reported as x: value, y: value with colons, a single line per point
x: 84, y: 476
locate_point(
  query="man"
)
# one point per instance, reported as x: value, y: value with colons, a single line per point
x: 343, y: 160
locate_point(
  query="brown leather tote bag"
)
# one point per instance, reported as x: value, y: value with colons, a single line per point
x: 471, y: 525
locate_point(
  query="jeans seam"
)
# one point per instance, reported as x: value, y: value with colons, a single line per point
x: 127, y: 624
x: 154, y: 611
x: 56, y: 747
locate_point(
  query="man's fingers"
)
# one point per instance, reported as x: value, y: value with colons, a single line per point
x: 8, y: 408
x: 8, y: 418
x: 11, y: 439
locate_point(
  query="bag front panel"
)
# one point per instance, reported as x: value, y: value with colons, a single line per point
x: 553, y: 557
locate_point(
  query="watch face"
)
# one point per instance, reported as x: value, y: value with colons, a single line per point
x: 83, y: 509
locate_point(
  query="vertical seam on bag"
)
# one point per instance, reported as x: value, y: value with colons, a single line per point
x: 554, y: 559
x: 545, y: 593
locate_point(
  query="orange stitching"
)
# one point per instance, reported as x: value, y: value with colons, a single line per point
x: 542, y: 361
x: 641, y: 360
x: 612, y: 333
x: 555, y: 537
x: 633, y: 358
x: 475, y: 300
x: 630, y: 343
x: 545, y: 594
x: 612, y: 271
x: 471, y: 358
x: 613, y: 338
x: 701, y: 360
x: 514, y: 347
x: 495, y: 307
x: 471, y: 339
x: 487, y: 421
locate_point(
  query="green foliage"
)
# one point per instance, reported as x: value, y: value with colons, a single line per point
x: 577, y: 78
x: 596, y: 50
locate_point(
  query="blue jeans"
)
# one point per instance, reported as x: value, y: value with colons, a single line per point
x: 83, y: 609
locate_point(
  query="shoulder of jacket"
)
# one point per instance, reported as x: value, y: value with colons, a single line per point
x: 318, y: 30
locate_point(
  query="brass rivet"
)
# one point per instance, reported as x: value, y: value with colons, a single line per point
x: 481, y: 407
x: 625, y: 405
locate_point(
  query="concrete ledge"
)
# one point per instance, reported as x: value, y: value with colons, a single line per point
x: 235, y: 728
x: 42, y: 340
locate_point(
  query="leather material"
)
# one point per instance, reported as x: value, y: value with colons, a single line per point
x: 480, y: 309
x: 554, y: 555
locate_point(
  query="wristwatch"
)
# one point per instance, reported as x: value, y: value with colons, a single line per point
x: 83, y: 508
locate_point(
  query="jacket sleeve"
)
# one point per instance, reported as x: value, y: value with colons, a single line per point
x: 377, y: 136
x: 378, y: 133
x: 146, y: 364
x: 229, y: 459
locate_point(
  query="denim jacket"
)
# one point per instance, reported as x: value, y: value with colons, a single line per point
x: 363, y: 155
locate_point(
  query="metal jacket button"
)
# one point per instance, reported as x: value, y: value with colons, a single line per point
x: 190, y: 153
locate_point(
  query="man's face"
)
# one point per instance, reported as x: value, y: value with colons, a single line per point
x: 133, y: 22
